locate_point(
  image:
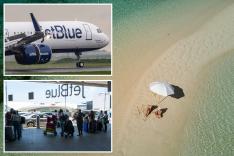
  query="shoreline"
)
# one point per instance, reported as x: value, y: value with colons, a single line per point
x: 185, y: 77
x: 210, y: 110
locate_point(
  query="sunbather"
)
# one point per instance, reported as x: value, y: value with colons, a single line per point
x: 158, y: 113
x: 149, y: 109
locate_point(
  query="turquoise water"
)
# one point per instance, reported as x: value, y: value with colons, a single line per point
x: 210, y: 131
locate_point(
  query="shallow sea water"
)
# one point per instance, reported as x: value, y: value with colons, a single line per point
x: 210, y: 130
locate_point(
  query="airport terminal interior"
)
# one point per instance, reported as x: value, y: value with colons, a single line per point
x: 58, y: 116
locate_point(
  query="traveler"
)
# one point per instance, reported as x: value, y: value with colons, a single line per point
x: 105, y: 120
x: 16, y: 123
x: 79, y: 121
x: 100, y: 122
x: 68, y: 127
x: 62, y: 120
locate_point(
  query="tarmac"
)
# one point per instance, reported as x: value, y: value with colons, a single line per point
x: 33, y: 139
x: 56, y: 70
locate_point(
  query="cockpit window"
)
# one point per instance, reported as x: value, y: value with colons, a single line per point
x: 99, y: 30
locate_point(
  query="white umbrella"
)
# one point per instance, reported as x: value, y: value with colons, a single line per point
x: 161, y: 88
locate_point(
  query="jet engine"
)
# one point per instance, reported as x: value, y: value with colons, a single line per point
x: 34, y: 54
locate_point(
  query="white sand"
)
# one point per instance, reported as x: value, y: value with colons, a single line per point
x: 178, y: 58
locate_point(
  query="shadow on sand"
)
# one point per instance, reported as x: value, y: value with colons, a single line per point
x: 179, y: 93
x: 163, y: 111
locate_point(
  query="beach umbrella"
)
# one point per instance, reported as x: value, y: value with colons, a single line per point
x: 161, y: 88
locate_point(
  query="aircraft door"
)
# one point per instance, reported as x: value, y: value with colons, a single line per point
x: 88, y: 32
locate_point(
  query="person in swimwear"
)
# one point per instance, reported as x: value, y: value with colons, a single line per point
x: 158, y: 113
x: 150, y: 109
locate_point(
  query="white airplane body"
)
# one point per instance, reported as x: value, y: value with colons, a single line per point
x: 65, y: 34
x: 29, y: 40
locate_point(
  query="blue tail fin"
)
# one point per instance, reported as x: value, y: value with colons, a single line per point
x: 35, y: 23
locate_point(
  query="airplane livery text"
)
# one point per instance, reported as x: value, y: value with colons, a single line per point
x: 60, y: 32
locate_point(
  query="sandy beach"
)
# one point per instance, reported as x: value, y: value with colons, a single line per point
x: 179, y: 62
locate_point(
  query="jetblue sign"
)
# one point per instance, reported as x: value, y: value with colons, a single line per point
x: 60, y: 32
x: 65, y: 90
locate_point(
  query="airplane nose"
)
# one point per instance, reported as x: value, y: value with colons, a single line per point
x: 106, y: 39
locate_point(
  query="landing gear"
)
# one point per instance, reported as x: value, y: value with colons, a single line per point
x: 79, y: 64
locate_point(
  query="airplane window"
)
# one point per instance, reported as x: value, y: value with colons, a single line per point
x: 99, y: 30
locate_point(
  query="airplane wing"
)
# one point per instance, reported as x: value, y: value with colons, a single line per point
x: 13, y: 43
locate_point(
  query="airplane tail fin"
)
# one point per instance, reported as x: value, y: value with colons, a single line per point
x: 35, y: 23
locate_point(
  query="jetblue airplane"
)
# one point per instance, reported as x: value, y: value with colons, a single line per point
x: 32, y: 43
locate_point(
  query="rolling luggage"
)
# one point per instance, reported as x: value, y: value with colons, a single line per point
x: 22, y: 120
x: 9, y: 133
x: 99, y: 126
x: 50, y: 127
x: 86, y: 127
x: 93, y: 127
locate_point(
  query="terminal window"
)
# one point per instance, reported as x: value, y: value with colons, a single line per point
x: 30, y: 95
x: 10, y: 97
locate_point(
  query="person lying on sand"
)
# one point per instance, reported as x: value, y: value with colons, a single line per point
x: 150, y: 109
x: 158, y: 113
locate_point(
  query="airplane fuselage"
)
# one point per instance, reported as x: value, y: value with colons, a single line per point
x: 62, y: 36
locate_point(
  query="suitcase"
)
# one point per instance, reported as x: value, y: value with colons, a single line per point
x: 22, y: 120
x: 93, y: 127
x: 86, y: 127
x: 9, y: 133
x: 99, y: 126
